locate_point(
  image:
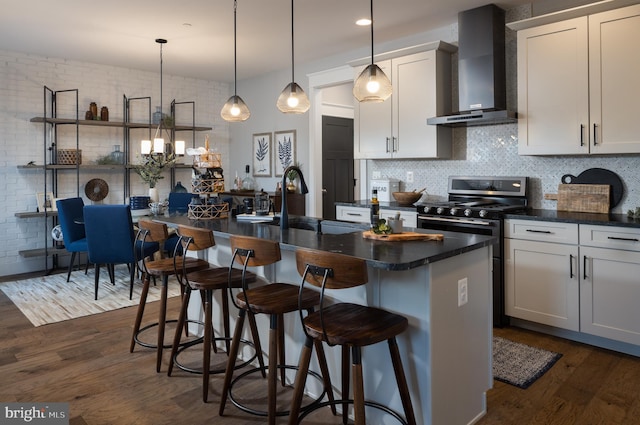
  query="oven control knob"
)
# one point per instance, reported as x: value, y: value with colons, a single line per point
x: 453, y: 211
x: 468, y: 212
x: 427, y: 209
x: 483, y: 213
x: 440, y: 210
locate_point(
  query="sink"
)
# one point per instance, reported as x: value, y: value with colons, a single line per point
x: 333, y: 227
x: 300, y: 222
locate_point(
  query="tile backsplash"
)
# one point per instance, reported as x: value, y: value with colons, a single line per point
x: 493, y: 150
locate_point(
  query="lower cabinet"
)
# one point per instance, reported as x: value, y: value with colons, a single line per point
x: 587, y: 280
x: 610, y: 282
x: 362, y: 215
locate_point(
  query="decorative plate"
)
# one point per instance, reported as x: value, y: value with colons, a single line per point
x: 96, y: 189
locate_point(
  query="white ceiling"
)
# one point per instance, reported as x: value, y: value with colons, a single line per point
x: 200, y: 32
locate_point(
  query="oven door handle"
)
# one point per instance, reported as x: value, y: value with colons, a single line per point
x: 455, y: 220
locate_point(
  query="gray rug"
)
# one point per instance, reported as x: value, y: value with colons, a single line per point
x: 50, y: 299
x: 519, y: 364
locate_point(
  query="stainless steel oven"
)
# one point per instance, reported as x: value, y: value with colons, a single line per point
x: 477, y: 205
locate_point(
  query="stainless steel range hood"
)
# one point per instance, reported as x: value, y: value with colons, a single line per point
x: 482, y: 90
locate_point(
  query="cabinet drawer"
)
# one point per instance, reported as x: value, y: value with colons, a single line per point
x: 610, y: 237
x: 545, y: 231
x: 357, y: 214
x: 410, y: 218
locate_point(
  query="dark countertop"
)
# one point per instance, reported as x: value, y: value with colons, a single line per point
x: 385, y: 205
x: 575, y: 217
x: 380, y: 254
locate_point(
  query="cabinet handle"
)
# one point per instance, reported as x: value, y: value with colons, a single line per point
x: 584, y: 267
x: 538, y: 231
x: 355, y: 214
x: 570, y: 266
x: 388, y: 140
x: 623, y: 239
x: 581, y: 134
x: 595, y: 133
x: 395, y: 144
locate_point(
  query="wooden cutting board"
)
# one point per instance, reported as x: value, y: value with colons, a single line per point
x: 589, y: 198
x: 404, y: 236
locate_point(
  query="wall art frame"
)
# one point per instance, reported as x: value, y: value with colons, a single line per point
x: 284, y: 150
x: 262, y: 155
x: 46, y: 199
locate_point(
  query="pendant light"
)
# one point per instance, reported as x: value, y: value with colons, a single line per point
x: 157, y: 146
x: 293, y: 100
x: 372, y: 85
x: 235, y: 109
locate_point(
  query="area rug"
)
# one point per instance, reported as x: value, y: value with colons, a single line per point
x: 520, y: 364
x: 50, y: 299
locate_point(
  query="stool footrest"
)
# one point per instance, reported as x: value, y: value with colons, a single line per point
x: 200, y: 371
x: 152, y: 325
x: 263, y: 412
x: 306, y: 412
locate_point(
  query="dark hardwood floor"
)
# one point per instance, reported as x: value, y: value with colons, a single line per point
x: 87, y: 363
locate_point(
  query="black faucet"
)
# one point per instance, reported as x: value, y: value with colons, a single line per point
x: 284, y: 215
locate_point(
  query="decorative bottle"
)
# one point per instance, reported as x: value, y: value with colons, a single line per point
x: 248, y: 183
x: 375, y: 208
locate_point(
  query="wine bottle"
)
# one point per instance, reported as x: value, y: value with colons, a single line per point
x: 375, y: 208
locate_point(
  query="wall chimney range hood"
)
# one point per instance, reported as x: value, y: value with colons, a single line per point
x: 482, y: 90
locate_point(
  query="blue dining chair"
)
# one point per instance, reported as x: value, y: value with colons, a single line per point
x: 111, y: 240
x: 73, y: 234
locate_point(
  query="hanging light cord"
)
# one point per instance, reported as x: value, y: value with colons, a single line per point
x: 371, y: 32
x: 160, y: 41
x: 235, y: 59
x: 292, y: 49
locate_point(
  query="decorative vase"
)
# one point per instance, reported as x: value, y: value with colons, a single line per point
x: 153, y: 194
x: 291, y: 186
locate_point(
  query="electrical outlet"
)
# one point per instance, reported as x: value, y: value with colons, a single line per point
x: 463, y: 292
x: 409, y: 176
x: 375, y: 175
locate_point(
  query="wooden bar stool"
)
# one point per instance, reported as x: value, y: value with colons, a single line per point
x: 151, y: 231
x: 274, y: 299
x: 351, y: 326
x: 206, y: 281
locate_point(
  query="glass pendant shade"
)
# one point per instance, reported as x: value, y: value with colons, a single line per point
x: 293, y: 100
x: 372, y: 85
x: 235, y: 110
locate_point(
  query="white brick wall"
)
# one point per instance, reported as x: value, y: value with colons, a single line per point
x: 22, y: 78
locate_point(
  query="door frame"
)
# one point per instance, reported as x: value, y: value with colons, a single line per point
x: 317, y: 82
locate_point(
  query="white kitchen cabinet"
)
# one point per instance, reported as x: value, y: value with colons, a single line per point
x: 610, y: 282
x: 541, y: 272
x: 583, y: 278
x: 357, y: 214
x: 577, y: 85
x: 397, y: 127
x: 363, y: 215
x: 410, y: 218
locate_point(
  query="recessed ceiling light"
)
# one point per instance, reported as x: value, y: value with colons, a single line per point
x: 363, y: 22
x: 186, y: 24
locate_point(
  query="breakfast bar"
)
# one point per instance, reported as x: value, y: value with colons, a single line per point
x: 442, y: 287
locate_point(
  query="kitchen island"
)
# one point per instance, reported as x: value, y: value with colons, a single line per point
x: 447, y: 349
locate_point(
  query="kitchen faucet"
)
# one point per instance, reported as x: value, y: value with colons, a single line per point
x: 284, y: 215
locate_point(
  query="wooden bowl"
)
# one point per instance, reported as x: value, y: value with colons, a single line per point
x: 407, y: 198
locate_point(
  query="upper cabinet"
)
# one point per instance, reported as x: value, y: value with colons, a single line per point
x: 397, y: 127
x: 578, y: 84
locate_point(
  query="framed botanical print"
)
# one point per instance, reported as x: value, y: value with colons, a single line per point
x: 262, y: 155
x: 285, y: 150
